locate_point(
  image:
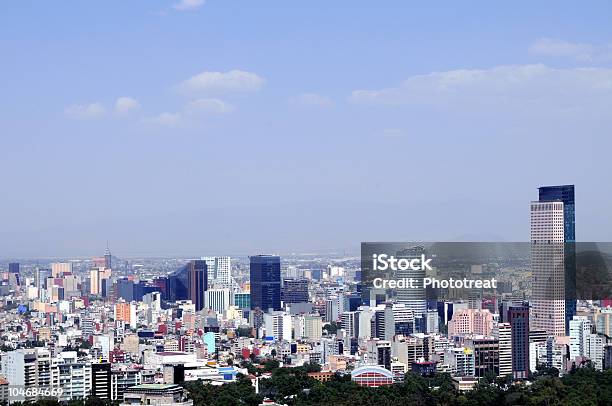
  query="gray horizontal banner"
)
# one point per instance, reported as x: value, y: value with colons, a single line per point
x: 413, y: 272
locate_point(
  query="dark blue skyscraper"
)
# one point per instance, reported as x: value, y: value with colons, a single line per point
x: 125, y: 289
x: 265, y: 282
x: 518, y: 316
x: 177, y: 284
x: 295, y: 291
x: 198, y: 282
x: 14, y: 269
x: 565, y: 194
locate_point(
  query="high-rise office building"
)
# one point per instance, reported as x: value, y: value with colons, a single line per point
x: 198, y: 282
x: 414, y: 298
x: 518, y: 317
x: 460, y: 360
x: 580, y: 330
x: 313, y: 327
x: 177, y: 284
x: 486, y: 355
x: 13, y: 273
x: 41, y: 276
x: 565, y: 194
x: 503, y: 333
x: 295, y: 291
x: 379, y: 353
x: 278, y: 325
x: 219, y: 271
x: 350, y: 323
x: 548, y: 267
x: 585, y: 343
x: 223, y: 268
x: 217, y: 299
x: 125, y: 289
x: 98, y: 281
x: 27, y: 368
x: 242, y: 300
x: 265, y: 277
x: 101, y: 380
x: 60, y: 268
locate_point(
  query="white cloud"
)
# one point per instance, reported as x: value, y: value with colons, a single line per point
x: 186, y: 5
x: 527, y: 88
x: 312, y: 99
x: 234, y: 81
x: 579, y: 51
x: 85, y: 111
x: 124, y: 105
x: 214, y: 106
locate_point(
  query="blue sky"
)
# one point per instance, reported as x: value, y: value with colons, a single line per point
x: 240, y: 127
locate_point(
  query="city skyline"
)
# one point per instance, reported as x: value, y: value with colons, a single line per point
x: 214, y: 203
x: 132, y: 332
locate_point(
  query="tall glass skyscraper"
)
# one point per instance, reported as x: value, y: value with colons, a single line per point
x: 265, y: 272
x: 565, y: 194
x: 198, y: 282
x: 177, y: 284
x: 413, y: 298
x: 519, y: 328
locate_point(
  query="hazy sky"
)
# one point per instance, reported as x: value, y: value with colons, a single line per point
x: 214, y: 127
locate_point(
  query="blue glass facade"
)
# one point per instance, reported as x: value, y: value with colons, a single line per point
x: 14, y: 267
x: 565, y: 194
x: 295, y: 291
x: 265, y: 274
x: 125, y: 289
x: 198, y: 282
x: 178, y: 282
x: 518, y: 316
x: 242, y: 300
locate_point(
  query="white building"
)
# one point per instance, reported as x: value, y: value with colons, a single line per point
x: 313, y: 327
x: 217, y: 299
x: 595, y: 353
x: 548, y: 267
x: 365, y: 322
x: 333, y: 307
x: 432, y: 322
x: 27, y: 368
x: 73, y: 377
x: 219, y: 271
x: 461, y: 361
x: 580, y: 330
x: 224, y: 270
x: 350, y: 323
x: 278, y: 325
x: 413, y: 297
x: 503, y: 333
x: 584, y: 343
